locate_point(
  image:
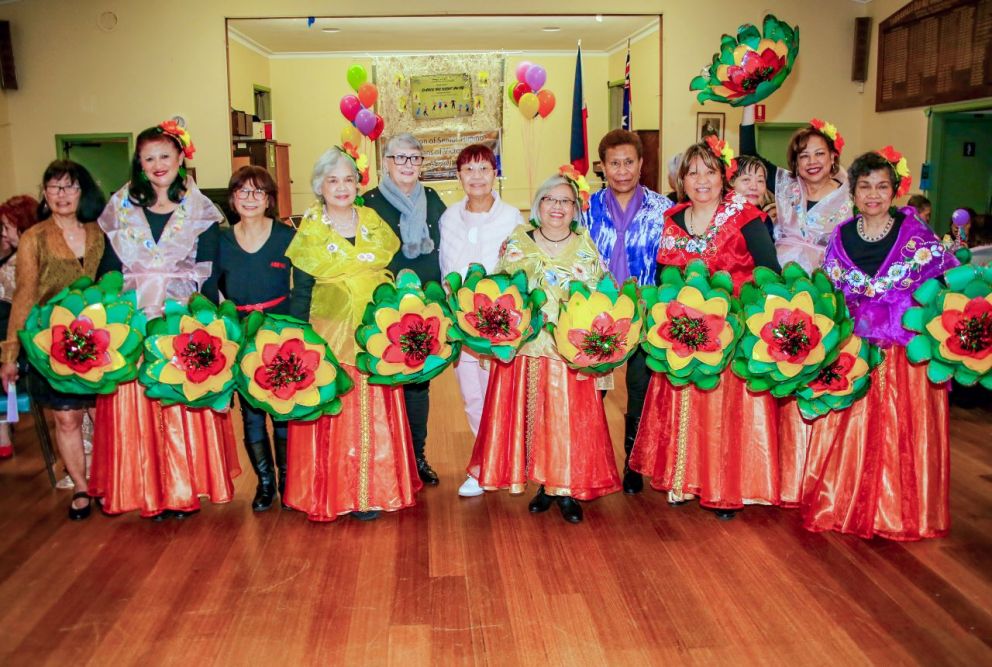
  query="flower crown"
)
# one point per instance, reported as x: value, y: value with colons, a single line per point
x: 578, y: 182
x: 724, y: 153
x: 901, y: 168
x: 361, y: 163
x: 179, y: 133
x: 830, y: 131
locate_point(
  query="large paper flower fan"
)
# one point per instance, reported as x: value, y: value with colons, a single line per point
x: 842, y: 382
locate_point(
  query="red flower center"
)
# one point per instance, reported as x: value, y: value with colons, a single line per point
x: 79, y: 346
x: 604, y: 341
x: 497, y: 320
x: 790, y: 335
x: 833, y: 378
x: 754, y: 69
x: 198, y: 354
x: 971, y: 329
x: 287, y: 368
x: 412, y: 340
x: 691, y: 330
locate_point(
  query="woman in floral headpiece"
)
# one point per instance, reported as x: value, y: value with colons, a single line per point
x: 811, y: 197
x: 162, y: 234
x: 720, y: 445
x: 360, y: 461
x: 542, y: 421
x: 881, y: 467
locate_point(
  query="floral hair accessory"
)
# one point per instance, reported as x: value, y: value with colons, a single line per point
x: 578, y: 182
x: 179, y: 133
x: 724, y: 153
x: 829, y: 130
x: 901, y: 168
x: 361, y: 164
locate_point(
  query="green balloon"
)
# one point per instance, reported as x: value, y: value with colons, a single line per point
x: 356, y: 76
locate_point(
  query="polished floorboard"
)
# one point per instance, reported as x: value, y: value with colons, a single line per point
x: 479, y: 581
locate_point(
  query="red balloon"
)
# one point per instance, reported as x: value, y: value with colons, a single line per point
x: 519, y: 91
x: 368, y: 94
x: 350, y: 106
x: 380, y: 125
x: 547, y: 102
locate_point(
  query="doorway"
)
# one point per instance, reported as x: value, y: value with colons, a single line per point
x: 106, y: 156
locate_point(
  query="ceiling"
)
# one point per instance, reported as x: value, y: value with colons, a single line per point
x: 433, y: 34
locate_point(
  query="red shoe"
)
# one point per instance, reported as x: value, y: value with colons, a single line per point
x: 6, y: 451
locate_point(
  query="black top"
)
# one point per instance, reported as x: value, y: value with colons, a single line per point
x: 867, y: 255
x: 249, y: 278
x: 206, y: 251
x: 427, y: 267
x: 759, y: 244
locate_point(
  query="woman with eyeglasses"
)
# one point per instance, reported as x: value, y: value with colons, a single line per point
x: 163, y: 235
x: 253, y: 271
x: 51, y: 255
x: 471, y: 232
x: 542, y: 421
x: 414, y: 213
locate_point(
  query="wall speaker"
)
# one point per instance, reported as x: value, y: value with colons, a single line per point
x: 862, y: 42
x: 8, y: 79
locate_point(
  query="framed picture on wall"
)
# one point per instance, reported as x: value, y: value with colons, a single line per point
x: 710, y: 124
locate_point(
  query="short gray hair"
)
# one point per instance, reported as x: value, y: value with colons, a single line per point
x: 327, y: 163
x: 549, y: 185
x: 403, y: 140
x: 673, y: 170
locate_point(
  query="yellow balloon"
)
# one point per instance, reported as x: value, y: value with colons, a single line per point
x: 351, y: 135
x: 528, y: 105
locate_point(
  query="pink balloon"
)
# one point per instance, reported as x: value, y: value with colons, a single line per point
x: 535, y: 77
x: 350, y: 106
x: 522, y: 71
x: 960, y: 217
x: 365, y: 121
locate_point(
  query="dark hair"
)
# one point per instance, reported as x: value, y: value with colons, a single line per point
x: 799, y: 142
x: 140, y: 191
x: 475, y: 153
x: 747, y: 164
x: 702, y: 151
x: 21, y: 211
x: 919, y: 201
x: 615, y: 138
x: 261, y: 179
x: 866, y: 164
x: 91, y: 199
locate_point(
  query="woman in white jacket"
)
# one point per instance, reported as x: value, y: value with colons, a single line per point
x: 472, y: 231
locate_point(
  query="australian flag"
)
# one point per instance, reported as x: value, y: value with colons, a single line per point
x: 627, y: 123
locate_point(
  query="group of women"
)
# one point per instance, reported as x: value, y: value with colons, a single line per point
x: 535, y: 419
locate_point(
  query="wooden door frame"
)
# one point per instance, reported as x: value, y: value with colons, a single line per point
x: 102, y: 137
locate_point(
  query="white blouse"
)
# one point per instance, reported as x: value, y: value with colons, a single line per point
x: 468, y: 237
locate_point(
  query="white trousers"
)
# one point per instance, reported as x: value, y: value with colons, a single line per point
x: 472, y: 380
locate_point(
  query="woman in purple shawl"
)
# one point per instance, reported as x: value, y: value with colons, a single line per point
x: 881, y: 467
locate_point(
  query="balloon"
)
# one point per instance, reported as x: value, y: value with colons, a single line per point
x: 546, y: 99
x: 522, y: 71
x: 510, y: 89
x: 536, y: 76
x: 356, y: 76
x: 350, y: 106
x: 351, y: 135
x: 519, y: 90
x: 528, y: 105
x: 365, y: 121
x: 960, y: 217
x: 380, y: 125
x: 368, y: 94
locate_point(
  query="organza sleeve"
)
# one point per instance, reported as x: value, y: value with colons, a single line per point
x: 25, y: 295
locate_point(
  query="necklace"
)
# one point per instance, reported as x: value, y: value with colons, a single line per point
x: 875, y: 238
x: 559, y: 241
x: 340, y: 227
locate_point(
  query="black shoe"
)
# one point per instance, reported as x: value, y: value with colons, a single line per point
x: 541, y: 502
x: 161, y: 516
x: 260, y: 456
x: 426, y: 473
x: 571, y: 511
x: 78, y: 514
x: 365, y: 516
x: 279, y: 444
x: 182, y: 516
x: 632, y: 480
x: 725, y: 515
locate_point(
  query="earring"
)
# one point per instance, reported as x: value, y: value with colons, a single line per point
x: 144, y: 177
x: 182, y: 173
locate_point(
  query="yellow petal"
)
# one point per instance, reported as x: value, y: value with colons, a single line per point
x: 411, y: 303
x: 43, y: 339
x: 466, y: 299
x: 386, y: 317
x: 936, y: 329
x: 188, y: 324
x: 118, y: 334
x: 377, y: 345
x: 955, y: 301
x: 172, y: 375
x: 97, y: 314
x: 61, y: 315
x: 677, y: 361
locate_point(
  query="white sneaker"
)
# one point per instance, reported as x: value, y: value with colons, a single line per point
x: 65, y: 483
x: 470, y: 488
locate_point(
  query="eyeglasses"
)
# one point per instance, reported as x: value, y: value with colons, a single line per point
x: 552, y: 202
x: 483, y: 169
x: 627, y: 164
x: 59, y: 189
x: 415, y: 160
x: 248, y: 193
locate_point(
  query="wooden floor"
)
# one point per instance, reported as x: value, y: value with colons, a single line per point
x: 481, y: 582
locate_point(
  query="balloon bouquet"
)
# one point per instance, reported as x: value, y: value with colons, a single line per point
x: 357, y: 109
x: 533, y: 101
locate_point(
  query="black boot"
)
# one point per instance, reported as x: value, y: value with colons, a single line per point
x: 426, y: 472
x: 541, y: 502
x: 260, y: 455
x: 632, y: 481
x: 280, y: 447
x: 571, y: 511
x: 725, y: 515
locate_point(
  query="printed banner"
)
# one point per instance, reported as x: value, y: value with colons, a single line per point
x: 441, y: 148
x: 436, y: 96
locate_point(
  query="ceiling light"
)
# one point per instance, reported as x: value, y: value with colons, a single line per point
x: 599, y: 18
x: 330, y: 30
x: 551, y: 28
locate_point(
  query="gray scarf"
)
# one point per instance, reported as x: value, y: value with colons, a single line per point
x: 414, y: 232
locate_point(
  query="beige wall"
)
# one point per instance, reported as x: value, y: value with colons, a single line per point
x: 7, y: 183
x: 645, y: 63
x: 145, y: 70
x: 248, y: 68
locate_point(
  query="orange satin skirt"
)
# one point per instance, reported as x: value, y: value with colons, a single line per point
x: 882, y: 467
x: 719, y: 445
x: 793, y: 443
x: 542, y: 423
x: 356, y: 461
x: 151, y: 458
